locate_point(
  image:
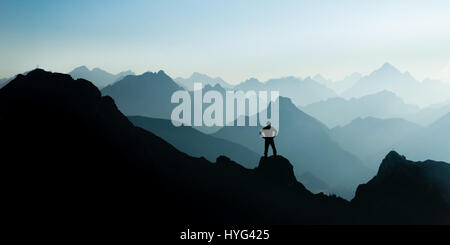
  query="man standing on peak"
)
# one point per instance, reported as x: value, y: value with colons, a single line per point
x: 268, y: 133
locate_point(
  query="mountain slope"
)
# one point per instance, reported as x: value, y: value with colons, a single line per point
x: 4, y: 81
x: 195, y: 143
x: 85, y: 161
x: 82, y: 161
x: 99, y: 77
x: 433, y: 142
x: 188, y: 83
x: 147, y: 95
x: 406, y: 192
x: 372, y: 138
x: 307, y: 143
x: 430, y: 114
x: 302, y: 92
x: 339, y: 112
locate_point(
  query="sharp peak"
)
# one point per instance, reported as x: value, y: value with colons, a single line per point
x: 160, y: 72
x: 394, y: 156
x: 388, y: 67
x: 391, y: 161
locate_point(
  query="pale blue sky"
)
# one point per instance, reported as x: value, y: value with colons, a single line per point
x: 231, y: 39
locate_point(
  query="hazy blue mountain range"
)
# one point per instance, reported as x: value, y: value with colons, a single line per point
x: 307, y: 143
x: 348, y: 82
x: 322, y: 80
x: 338, y: 111
x: 147, y: 95
x: 100, y: 163
x: 302, y: 92
x: 188, y: 83
x: 195, y: 143
x: 431, y: 143
x: 403, y: 84
x: 430, y: 114
x: 97, y: 76
x: 372, y: 138
x: 341, y: 85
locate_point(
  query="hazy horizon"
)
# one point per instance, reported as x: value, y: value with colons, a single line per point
x: 234, y: 40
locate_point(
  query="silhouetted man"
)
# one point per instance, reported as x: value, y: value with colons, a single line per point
x: 268, y: 133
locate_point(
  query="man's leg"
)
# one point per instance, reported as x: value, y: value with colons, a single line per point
x: 272, y: 143
x: 266, y: 146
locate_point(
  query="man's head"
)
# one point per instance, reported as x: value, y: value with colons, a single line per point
x: 268, y: 123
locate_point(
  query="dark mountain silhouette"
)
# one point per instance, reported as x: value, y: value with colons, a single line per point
x: 195, y: 143
x: 82, y: 161
x: 372, y: 138
x: 4, y: 81
x: 339, y: 112
x: 302, y: 92
x: 188, y: 83
x: 405, y: 192
x: 308, y: 145
x: 97, y: 76
x: 144, y: 95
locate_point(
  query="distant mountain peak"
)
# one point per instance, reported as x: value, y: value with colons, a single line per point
x: 97, y: 69
x: 387, y: 68
x: 387, y: 65
x: 81, y: 68
x: 99, y: 77
x: 319, y: 78
x: 161, y: 72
